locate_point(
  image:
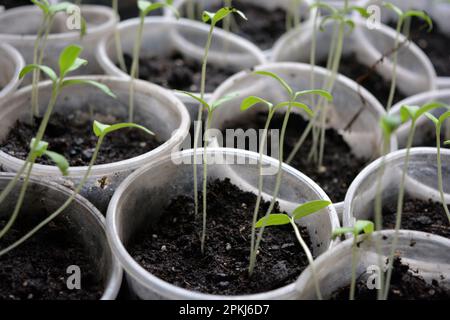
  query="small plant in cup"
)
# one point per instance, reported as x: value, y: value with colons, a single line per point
x: 39, y: 149
x: 290, y: 104
x: 145, y: 7
x: 49, y: 12
x: 402, y: 17
x: 360, y: 226
x: 304, y: 210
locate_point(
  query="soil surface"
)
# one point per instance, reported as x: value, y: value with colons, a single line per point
x: 71, y: 135
x: 172, y: 250
x: 426, y: 216
x: 434, y: 43
x: 263, y: 27
x: 36, y: 270
x: 405, y: 285
x: 368, y: 78
x: 340, y: 166
x: 177, y: 72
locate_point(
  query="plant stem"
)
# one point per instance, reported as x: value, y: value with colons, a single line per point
x: 439, y: 165
x: 63, y: 207
x: 278, y: 178
x: 34, y: 89
x: 205, y: 183
x: 353, y: 272
x: 258, y: 199
x: 310, y: 258
x: 199, y: 116
x: 398, y: 218
x: 135, y: 67
x: 118, y: 43
x: 394, y: 71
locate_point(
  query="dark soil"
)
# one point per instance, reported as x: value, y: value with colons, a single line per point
x: 340, y: 166
x: 426, y: 216
x: 263, y: 27
x: 172, y: 250
x: 8, y: 4
x: 368, y: 78
x: 37, y: 269
x: 405, y: 285
x: 177, y: 72
x: 71, y: 135
x: 433, y: 43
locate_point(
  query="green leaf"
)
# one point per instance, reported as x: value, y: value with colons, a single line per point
x: 60, y: 7
x: 274, y: 219
x: 390, y: 123
x: 143, y: 5
x: 408, y: 113
x: 39, y: 149
x: 47, y: 70
x: 394, y: 8
x: 220, y: 14
x: 67, y: 58
x: 103, y: 87
x: 421, y: 15
x: 59, y: 160
x: 341, y: 231
x: 193, y: 96
x: 77, y: 64
x: 444, y: 117
x: 295, y: 104
x: 101, y: 129
x: 276, y: 77
x: 41, y: 5
x: 309, y: 208
x: 251, y: 101
x: 222, y: 100
x: 363, y: 226
x: 361, y: 10
x: 322, y: 93
x: 428, y: 107
x: 447, y: 142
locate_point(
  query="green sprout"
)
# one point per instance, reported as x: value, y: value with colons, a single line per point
x: 213, y: 18
x: 438, y: 122
x: 100, y: 131
x: 407, y: 113
x: 49, y: 12
x: 145, y: 7
x: 342, y: 19
x: 293, y: 97
x: 402, y: 17
x: 293, y: 16
x: 210, y: 108
x: 118, y: 43
x: 304, y: 210
x: 68, y: 61
x: 361, y: 226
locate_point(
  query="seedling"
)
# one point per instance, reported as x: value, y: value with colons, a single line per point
x: 407, y: 113
x: 402, y: 17
x: 49, y: 12
x: 304, y: 210
x: 68, y: 61
x: 361, y: 226
x: 213, y: 18
x: 210, y: 108
x: 118, y: 43
x: 291, y: 103
x: 342, y: 20
x: 100, y: 131
x: 438, y: 122
x: 145, y: 7
x: 293, y: 16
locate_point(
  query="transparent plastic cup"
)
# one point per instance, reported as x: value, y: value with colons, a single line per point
x: 359, y: 129
x: 421, y: 182
x: 100, y: 21
x: 162, y: 36
x: 153, y: 186
x: 158, y: 109
x: 427, y: 254
x: 83, y: 220
x: 11, y: 62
